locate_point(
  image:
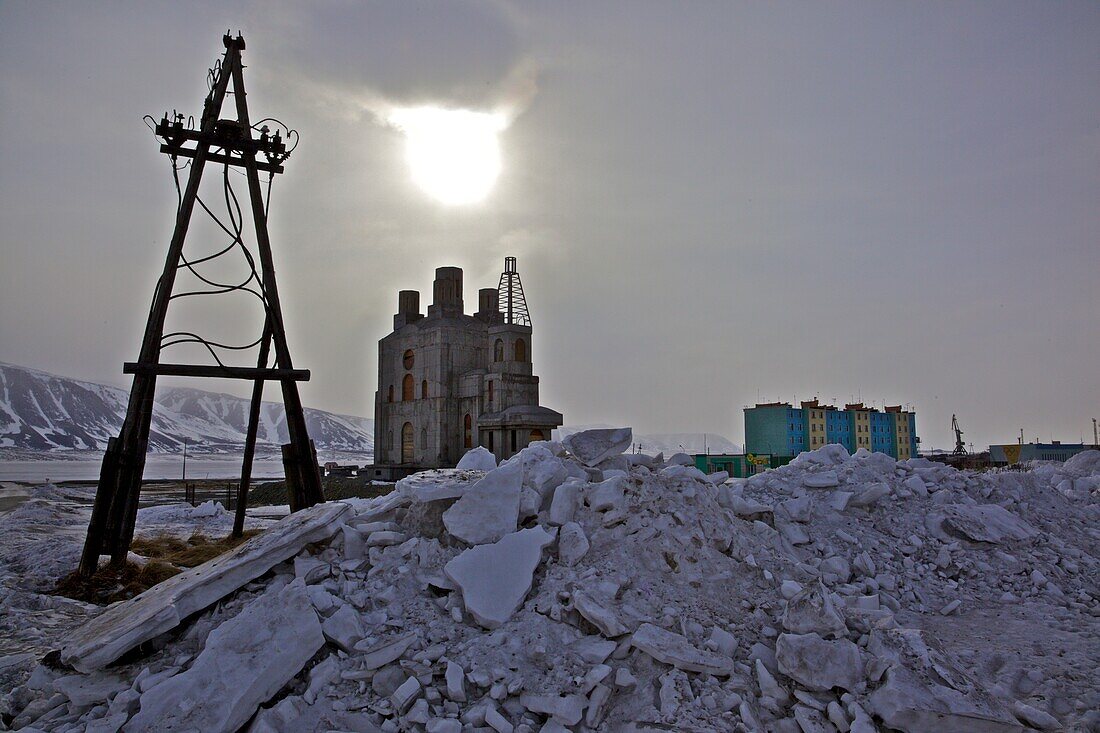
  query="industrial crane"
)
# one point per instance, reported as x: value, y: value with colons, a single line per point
x: 960, y: 448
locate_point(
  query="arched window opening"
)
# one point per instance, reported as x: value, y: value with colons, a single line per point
x: 424, y: 390
x: 521, y: 350
x: 467, y: 432
x: 423, y: 438
x: 407, y: 388
x: 537, y: 434
x: 498, y: 350
x: 490, y: 393
x: 408, y: 359
x: 408, y: 449
x: 491, y: 448
x: 389, y: 394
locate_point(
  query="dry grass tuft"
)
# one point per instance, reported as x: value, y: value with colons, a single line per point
x: 167, y: 556
x: 112, y: 584
x: 186, y: 553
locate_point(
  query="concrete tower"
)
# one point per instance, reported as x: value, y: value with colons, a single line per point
x: 449, y: 381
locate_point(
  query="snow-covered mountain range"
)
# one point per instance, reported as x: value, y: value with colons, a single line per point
x: 45, y: 412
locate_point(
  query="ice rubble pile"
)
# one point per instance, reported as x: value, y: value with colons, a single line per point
x: 577, y: 588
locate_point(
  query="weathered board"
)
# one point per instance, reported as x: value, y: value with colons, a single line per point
x: 126, y: 624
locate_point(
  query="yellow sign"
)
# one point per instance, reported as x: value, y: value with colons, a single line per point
x: 757, y: 460
x: 1012, y: 453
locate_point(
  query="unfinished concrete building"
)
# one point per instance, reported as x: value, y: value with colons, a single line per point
x: 448, y: 381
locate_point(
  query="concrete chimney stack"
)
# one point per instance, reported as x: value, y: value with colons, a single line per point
x: 447, y: 292
x: 488, y: 304
x: 408, y: 302
x: 408, y: 308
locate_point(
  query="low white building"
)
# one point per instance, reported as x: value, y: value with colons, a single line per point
x: 1005, y: 455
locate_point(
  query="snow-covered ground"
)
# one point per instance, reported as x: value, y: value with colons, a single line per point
x: 574, y: 588
x: 41, y: 541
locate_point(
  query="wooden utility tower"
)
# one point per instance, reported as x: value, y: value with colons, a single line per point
x: 229, y: 142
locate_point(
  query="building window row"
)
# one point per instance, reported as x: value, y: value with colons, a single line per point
x: 519, y: 350
x: 408, y: 389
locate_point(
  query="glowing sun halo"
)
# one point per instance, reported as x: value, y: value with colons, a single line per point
x: 454, y: 154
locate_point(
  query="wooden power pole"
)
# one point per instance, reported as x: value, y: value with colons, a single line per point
x: 229, y: 142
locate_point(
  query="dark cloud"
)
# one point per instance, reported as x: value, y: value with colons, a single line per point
x: 457, y: 54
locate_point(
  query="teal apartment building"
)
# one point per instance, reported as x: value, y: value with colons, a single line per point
x: 780, y: 429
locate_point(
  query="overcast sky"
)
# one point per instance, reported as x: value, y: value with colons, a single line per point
x: 712, y: 203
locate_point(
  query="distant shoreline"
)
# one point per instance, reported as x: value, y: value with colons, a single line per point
x: 83, y: 466
x: 263, y: 452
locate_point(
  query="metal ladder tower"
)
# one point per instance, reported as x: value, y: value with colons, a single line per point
x: 230, y: 142
x: 510, y: 294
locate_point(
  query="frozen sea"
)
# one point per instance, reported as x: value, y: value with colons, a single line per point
x: 85, y: 467
x: 156, y: 467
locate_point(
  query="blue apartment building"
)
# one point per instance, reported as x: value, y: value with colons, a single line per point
x: 780, y: 429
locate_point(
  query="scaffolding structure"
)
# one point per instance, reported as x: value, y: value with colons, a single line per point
x: 510, y: 294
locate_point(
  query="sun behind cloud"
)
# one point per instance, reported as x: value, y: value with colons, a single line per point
x: 453, y: 154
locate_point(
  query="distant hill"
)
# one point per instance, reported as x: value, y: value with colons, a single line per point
x: 45, y: 412
x: 668, y: 443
